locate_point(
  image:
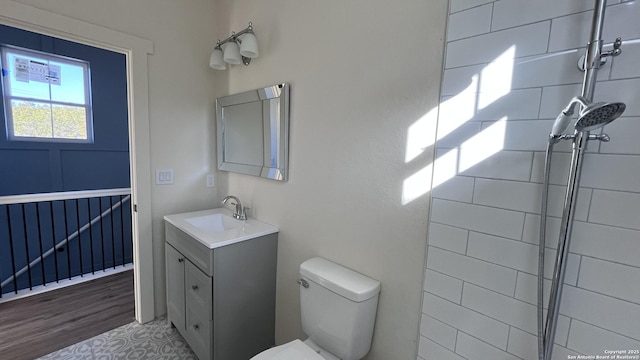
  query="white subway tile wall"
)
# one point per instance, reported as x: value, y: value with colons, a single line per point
x: 583, y: 334
x: 439, y: 332
x: 470, y: 23
x: 512, y: 66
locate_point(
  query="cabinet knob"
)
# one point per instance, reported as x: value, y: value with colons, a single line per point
x: 195, y: 287
x: 181, y: 260
x: 196, y: 326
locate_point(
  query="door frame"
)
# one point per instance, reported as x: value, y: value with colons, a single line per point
x: 136, y: 51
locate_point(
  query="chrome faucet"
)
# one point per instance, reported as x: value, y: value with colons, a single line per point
x: 239, y: 213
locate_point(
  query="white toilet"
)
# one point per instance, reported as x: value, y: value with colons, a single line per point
x: 338, y: 308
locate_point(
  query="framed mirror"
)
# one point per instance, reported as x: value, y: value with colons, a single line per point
x: 253, y: 132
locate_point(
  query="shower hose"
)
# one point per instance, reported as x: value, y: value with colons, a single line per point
x: 542, y: 329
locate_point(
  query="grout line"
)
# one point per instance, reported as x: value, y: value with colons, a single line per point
x: 466, y: 248
x: 493, y: 346
x: 603, y: 329
x: 508, y: 337
x: 605, y: 260
x: 553, y: 18
x: 511, y: 325
x: 549, y: 37
x: 589, y: 203
x: 474, y: 187
x: 455, y: 345
x: 449, y: 95
x: 579, y: 268
x: 540, y: 102
x: 465, y: 9
x: 538, y: 183
x: 503, y: 266
x: 493, y: 9
x: 566, y: 343
x: 505, y: 29
x: 479, y: 313
x: 606, y: 295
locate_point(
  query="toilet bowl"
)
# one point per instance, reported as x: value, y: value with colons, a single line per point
x: 296, y: 350
x: 338, y: 308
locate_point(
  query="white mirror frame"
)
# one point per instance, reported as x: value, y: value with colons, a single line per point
x: 275, y: 131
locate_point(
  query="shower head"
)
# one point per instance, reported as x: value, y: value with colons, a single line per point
x: 598, y: 115
x: 592, y: 116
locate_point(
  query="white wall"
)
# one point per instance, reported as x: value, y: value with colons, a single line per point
x: 182, y: 90
x: 515, y: 60
x: 364, y: 78
x: 361, y: 73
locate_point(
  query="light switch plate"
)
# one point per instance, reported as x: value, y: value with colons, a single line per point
x: 164, y: 176
x: 210, y: 180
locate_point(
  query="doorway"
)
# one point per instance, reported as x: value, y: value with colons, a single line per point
x: 136, y: 50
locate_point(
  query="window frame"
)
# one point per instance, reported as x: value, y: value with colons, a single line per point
x: 7, y: 97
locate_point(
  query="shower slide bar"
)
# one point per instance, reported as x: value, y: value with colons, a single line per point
x: 592, y: 116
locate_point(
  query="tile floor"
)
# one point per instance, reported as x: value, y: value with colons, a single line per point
x: 155, y: 340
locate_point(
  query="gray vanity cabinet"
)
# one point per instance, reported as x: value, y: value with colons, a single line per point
x: 222, y: 300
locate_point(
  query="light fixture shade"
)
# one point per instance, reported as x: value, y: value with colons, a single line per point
x: 232, y: 53
x: 216, y: 61
x: 249, y: 46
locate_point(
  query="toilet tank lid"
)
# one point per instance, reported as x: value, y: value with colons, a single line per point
x: 339, y: 279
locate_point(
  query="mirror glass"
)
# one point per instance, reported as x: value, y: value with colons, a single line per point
x: 253, y: 132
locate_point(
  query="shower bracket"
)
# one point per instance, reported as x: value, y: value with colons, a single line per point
x: 557, y: 138
x: 617, y: 50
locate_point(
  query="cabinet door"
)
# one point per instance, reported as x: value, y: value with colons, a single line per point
x: 175, y: 287
x: 198, y: 289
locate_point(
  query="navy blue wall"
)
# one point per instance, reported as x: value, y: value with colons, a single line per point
x: 39, y: 167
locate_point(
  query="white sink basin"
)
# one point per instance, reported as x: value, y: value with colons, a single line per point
x: 215, y: 223
x: 217, y: 227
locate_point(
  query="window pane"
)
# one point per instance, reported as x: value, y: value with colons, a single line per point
x: 20, y: 83
x: 70, y: 88
x: 48, y: 95
x: 69, y: 122
x: 31, y: 119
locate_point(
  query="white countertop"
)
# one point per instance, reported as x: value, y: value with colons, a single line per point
x: 217, y: 227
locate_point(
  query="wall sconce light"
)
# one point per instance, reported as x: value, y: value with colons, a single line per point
x: 236, y: 50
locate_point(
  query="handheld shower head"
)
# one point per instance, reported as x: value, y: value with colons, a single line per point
x: 598, y: 115
x: 564, y: 118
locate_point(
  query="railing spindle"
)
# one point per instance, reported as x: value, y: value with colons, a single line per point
x: 79, y: 237
x: 93, y: 267
x: 113, y: 242
x: 122, y: 226
x: 104, y: 267
x: 66, y: 233
x: 13, y: 254
x: 44, y: 279
x: 26, y: 246
x: 53, y: 240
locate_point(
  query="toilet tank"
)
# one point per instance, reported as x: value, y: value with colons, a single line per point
x: 338, y: 308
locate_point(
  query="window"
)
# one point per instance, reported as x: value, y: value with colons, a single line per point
x: 46, y: 97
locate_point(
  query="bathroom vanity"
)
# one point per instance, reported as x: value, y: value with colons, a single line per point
x: 221, y: 283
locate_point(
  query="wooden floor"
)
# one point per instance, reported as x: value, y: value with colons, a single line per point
x: 40, y: 324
